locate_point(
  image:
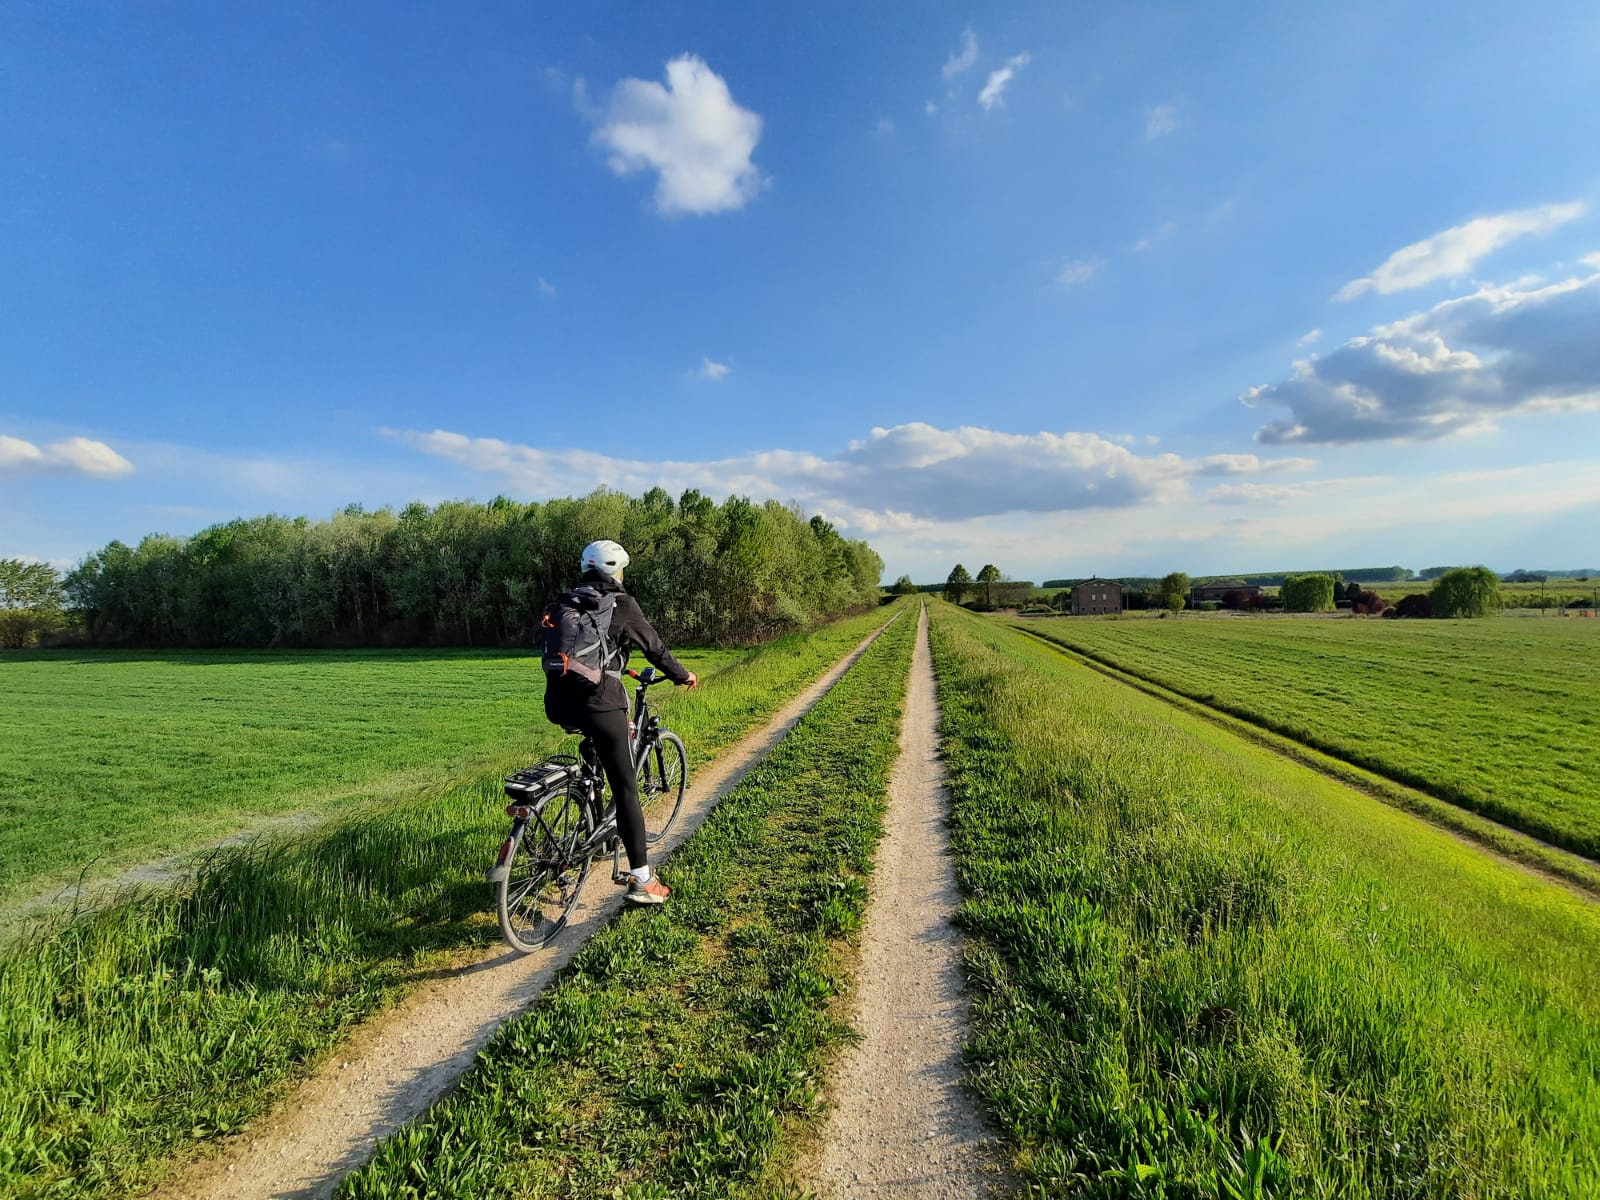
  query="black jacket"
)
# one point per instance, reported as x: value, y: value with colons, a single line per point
x: 567, y: 699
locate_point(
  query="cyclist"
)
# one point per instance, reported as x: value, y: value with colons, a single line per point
x: 601, y: 713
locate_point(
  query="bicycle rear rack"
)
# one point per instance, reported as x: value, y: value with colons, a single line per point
x: 532, y: 784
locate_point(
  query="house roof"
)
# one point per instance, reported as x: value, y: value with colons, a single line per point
x: 1096, y: 579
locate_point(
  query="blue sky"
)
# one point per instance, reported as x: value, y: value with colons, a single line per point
x: 1067, y: 288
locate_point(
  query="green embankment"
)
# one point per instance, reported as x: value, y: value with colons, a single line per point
x: 166, y: 1019
x: 1501, y: 717
x: 1201, y: 970
x: 679, y: 1047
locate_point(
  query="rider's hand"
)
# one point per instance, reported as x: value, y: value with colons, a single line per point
x: 692, y: 682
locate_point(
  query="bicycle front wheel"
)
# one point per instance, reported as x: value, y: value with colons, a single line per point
x: 663, y: 776
x: 545, y: 873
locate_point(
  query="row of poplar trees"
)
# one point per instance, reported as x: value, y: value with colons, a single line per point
x: 465, y: 573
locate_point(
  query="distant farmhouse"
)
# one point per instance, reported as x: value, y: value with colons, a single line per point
x: 1217, y: 589
x: 1096, y: 596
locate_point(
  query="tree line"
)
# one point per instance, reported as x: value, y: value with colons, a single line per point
x: 473, y: 574
x: 1457, y: 592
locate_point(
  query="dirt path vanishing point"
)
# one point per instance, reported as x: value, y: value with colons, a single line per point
x: 901, y: 1124
x: 392, y: 1069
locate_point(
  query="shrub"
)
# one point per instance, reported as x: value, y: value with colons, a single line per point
x: 1368, y: 603
x: 1415, y: 605
x: 1235, y: 599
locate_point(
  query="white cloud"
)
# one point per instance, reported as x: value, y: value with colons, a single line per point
x: 1284, y: 493
x: 1077, y: 271
x: 1250, y: 464
x: 691, y: 132
x: 1160, y: 121
x: 993, y: 94
x: 903, y: 477
x: 1161, y: 234
x: 712, y: 370
x: 1309, y: 337
x: 930, y: 108
x: 1591, y: 260
x: 885, y: 126
x: 74, y: 456
x: 964, y: 58
x: 1454, y: 252
x: 546, y: 287
x: 1454, y: 369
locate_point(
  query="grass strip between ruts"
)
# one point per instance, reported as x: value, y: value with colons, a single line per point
x: 680, y: 1045
x: 1202, y: 970
x: 168, y: 1018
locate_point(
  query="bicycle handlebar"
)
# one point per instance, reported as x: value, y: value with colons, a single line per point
x: 647, y: 677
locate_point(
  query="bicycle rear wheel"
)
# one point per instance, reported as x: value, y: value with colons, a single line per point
x: 663, y: 775
x: 545, y: 872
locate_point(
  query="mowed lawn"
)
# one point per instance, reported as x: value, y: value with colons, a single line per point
x: 1500, y: 715
x: 109, y: 760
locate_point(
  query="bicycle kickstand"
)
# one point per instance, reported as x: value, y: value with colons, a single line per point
x: 618, y: 875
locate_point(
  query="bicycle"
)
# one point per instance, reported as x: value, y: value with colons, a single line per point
x: 562, y: 821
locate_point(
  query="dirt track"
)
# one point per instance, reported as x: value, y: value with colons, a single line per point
x: 394, y: 1068
x: 901, y: 1123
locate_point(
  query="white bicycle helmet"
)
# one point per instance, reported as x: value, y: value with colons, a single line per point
x: 606, y: 557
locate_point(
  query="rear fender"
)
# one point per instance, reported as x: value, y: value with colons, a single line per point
x: 502, y: 863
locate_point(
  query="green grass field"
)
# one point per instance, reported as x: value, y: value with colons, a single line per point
x: 156, y: 1022
x: 1501, y: 716
x: 112, y: 759
x: 1202, y: 970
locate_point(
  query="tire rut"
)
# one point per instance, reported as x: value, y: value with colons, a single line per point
x: 902, y: 1123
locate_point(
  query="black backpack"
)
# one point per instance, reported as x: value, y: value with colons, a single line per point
x: 574, y: 637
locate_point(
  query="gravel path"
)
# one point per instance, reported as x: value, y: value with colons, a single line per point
x: 901, y: 1124
x: 392, y: 1069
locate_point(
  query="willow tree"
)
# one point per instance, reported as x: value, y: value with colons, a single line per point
x: 30, y: 601
x: 1466, y: 592
x: 1308, y: 593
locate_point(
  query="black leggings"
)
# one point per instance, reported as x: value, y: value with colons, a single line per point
x: 608, y: 732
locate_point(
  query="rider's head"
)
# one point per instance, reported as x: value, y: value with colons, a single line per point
x: 606, y: 557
